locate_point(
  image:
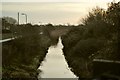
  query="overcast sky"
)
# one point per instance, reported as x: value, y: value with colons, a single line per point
x: 49, y: 11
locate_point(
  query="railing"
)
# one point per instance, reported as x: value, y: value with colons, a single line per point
x: 106, y: 68
x: 6, y: 40
x: 9, y: 39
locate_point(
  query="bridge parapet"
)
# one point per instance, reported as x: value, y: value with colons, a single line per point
x: 106, y: 68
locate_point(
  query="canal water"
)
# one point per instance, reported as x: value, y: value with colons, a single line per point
x: 54, y: 64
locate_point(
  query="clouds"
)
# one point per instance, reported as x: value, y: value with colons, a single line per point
x: 44, y: 12
x: 54, y: 12
x: 57, y: 1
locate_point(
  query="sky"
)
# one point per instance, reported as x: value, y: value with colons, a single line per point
x: 51, y: 11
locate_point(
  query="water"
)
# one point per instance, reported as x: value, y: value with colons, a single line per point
x: 55, y: 65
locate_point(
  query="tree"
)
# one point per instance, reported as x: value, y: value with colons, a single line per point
x: 95, y: 15
x: 113, y: 15
x: 10, y: 20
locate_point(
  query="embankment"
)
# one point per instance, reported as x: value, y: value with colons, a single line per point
x: 21, y: 57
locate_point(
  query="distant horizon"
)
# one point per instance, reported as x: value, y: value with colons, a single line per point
x: 51, y: 12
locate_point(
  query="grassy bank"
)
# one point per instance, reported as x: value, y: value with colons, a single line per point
x: 97, y: 38
x: 22, y: 57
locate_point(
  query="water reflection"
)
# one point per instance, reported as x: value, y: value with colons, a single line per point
x: 55, y: 65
